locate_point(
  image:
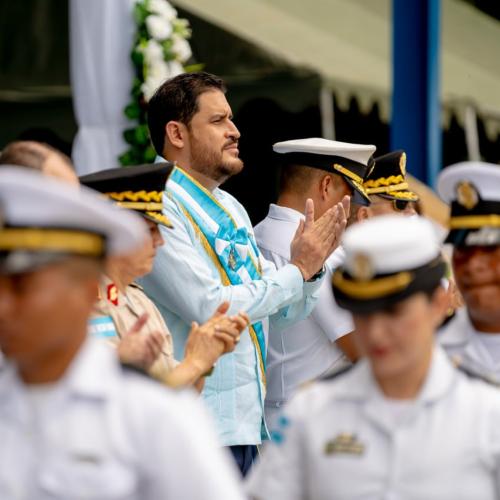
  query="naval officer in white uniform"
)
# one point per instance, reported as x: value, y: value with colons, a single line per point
x: 403, y: 423
x: 73, y: 422
x: 325, y: 171
x: 472, y: 337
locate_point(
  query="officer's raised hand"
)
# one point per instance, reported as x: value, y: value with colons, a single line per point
x: 314, y: 241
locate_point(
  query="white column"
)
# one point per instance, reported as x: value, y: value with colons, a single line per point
x: 471, y: 133
x: 326, y: 111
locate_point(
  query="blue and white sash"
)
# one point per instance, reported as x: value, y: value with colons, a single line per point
x: 226, y: 240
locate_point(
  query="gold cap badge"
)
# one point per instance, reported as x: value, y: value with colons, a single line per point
x: 362, y: 267
x: 402, y: 164
x: 467, y: 195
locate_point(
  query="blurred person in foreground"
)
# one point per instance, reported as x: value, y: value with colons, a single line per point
x: 74, y: 423
x: 122, y: 302
x: 472, y: 336
x: 403, y: 422
x: 211, y: 256
x: 39, y: 156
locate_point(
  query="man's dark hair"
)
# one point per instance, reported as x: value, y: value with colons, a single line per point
x: 177, y: 100
x: 29, y: 154
x: 299, y: 178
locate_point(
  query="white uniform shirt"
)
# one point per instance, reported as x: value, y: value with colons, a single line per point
x: 103, y: 432
x: 338, y: 441
x: 467, y: 347
x: 306, y: 350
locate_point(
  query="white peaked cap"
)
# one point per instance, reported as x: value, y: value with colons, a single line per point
x: 360, y: 153
x: 391, y: 243
x: 473, y: 191
x: 31, y: 200
x: 388, y: 259
x: 485, y: 177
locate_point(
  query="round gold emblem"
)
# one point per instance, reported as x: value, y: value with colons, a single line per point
x: 362, y: 267
x: 402, y: 163
x: 467, y: 195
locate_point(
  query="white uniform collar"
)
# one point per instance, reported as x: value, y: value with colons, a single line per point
x: 92, y: 370
x: 93, y: 374
x: 458, y: 331
x: 89, y: 374
x: 360, y: 384
x: 284, y: 213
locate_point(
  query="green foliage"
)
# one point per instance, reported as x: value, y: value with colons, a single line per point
x: 137, y: 137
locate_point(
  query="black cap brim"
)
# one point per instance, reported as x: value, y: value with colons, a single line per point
x: 469, y: 237
x: 158, y: 219
x: 358, y: 196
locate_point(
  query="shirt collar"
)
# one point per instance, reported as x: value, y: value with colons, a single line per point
x: 458, y: 331
x: 363, y: 386
x: 92, y: 374
x: 93, y: 371
x: 284, y: 213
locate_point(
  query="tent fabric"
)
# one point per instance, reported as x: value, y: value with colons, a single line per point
x: 348, y: 43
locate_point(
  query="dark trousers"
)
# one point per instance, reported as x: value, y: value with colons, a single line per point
x: 244, y: 456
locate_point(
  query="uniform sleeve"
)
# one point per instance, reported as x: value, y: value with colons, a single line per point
x: 167, y: 355
x: 490, y: 437
x: 300, y: 309
x: 184, y: 281
x: 280, y: 472
x: 184, y: 459
x: 333, y: 320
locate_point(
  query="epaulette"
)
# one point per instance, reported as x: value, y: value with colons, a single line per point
x: 338, y: 373
x: 478, y: 376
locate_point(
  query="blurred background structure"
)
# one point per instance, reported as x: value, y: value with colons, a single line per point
x: 293, y: 68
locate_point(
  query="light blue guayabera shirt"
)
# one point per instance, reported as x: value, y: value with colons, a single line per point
x: 186, y: 286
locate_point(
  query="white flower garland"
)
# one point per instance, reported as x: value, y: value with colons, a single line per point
x: 160, y: 52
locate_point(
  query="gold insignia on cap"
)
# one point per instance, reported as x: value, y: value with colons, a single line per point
x: 362, y: 267
x: 344, y: 443
x: 467, y: 195
x: 402, y: 163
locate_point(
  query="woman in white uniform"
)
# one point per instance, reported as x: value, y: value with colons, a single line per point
x: 403, y: 423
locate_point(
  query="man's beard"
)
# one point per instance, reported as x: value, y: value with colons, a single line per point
x: 209, y: 162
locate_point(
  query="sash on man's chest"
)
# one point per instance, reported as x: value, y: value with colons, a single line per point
x: 229, y: 245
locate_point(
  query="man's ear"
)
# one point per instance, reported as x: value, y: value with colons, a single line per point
x: 325, y: 186
x: 176, y: 133
x: 363, y: 213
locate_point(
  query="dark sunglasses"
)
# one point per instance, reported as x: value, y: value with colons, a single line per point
x: 400, y: 205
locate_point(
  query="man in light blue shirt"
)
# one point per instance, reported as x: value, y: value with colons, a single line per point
x: 211, y: 256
